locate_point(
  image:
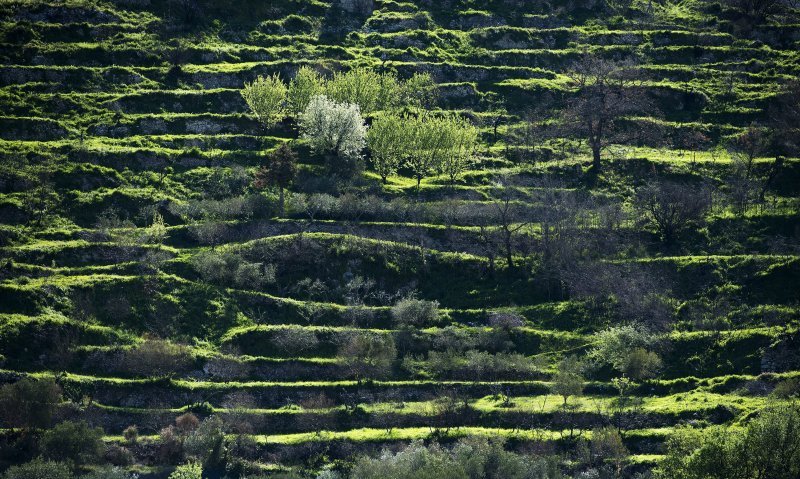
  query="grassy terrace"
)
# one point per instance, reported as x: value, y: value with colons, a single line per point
x: 152, y: 281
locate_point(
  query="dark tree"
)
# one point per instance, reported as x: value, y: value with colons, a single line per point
x: 783, y: 124
x: 496, y: 113
x: 691, y: 140
x: 755, y: 12
x: 746, y: 184
x: 672, y: 207
x: 604, y: 93
x: 747, y: 147
x: 29, y: 403
x: 784, y: 120
x: 279, y: 172
x: 510, y: 219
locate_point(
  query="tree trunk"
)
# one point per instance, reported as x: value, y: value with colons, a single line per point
x: 596, y: 158
x: 509, y: 255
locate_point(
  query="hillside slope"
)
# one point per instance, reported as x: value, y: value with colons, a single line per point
x: 143, y: 270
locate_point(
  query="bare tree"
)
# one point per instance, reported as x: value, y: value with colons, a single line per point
x: 509, y: 219
x: 784, y: 120
x: 747, y: 147
x: 672, y: 207
x: 691, y: 140
x: 784, y: 126
x: 603, y: 93
x: 528, y: 140
x: 746, y: 185
x: 755, y: 12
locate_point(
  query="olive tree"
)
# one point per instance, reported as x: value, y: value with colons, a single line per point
x: 641, y: 364
x: 266, y: 97
x: 73, y: 441
x: 568, y: 380
x: 468, y: 458
x: 768, y: 447
x: 628, y: 350
x: 39, y: 469
x: 157, y: 358
x: 368, y: 355
x: 415, y: 312
x: 190, y: 470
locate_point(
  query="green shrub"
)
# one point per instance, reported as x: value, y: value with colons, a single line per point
x: 206, y: 443
x: 368, y: 355
x: 472, y: 457
x: 191, y: 470
x: 118, y: 455
x: 624, y: 348
x: 29, y: 403
x: 226, y: 268
x: 157, y: 357
x: 73, y: 441
x: 131, y: 434
x: 39, y: 469
x: 768, y: 447
x: 294, y: 341
x: 110, y: 473
x: 788, y: 388
x: 412, y: 312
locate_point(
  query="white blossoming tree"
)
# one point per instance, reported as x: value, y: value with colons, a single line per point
x: 334, y: 128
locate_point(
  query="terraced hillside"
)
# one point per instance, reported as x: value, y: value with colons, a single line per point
x: 581, y: 305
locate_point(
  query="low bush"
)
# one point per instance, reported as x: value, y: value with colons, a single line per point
x: 473, y: 457
x: 768, y: 447
x: 191, y: 470
x: 39, y: 469
x: 157, y: 357
x: 226, y: 268
x: 73, y: 441
x: 206, y: 443
x: 412, y: 312
x: 472, y: 364
x: 29, y: 403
